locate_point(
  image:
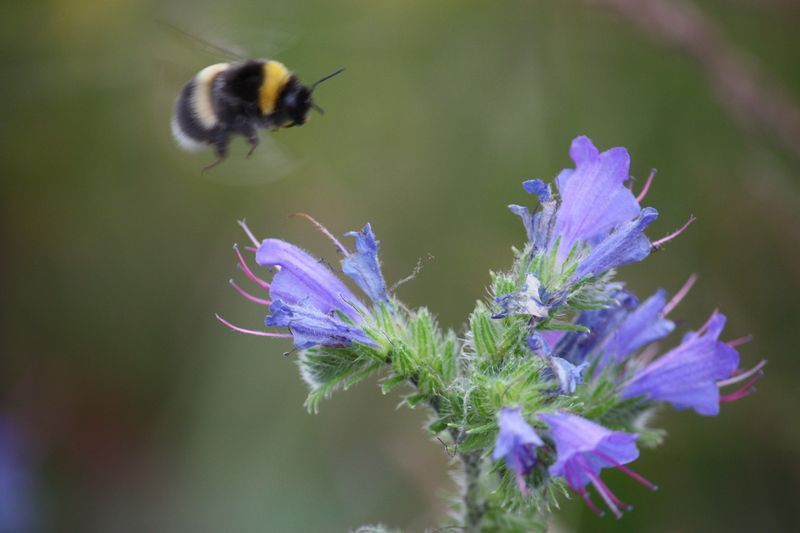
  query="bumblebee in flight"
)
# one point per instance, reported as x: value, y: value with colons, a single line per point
x: 226, y: 99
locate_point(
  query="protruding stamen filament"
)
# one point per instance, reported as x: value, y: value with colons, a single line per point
x: 646, y: 186
x: 744, y: 375
x: 738, y: 342
x: 252, y: 331
x: 247, y: 295
x: 680, y: 295
x: 589, y: 503
x: 243, y: 224
x: 638, y: 477
x: 574, y: 484
x: 247, y: 271
x: 324, y: 231
x: 707, y: 323
x: 611, y: 499
x: 647, y: 355
x: 605, y: 493
x: 746, y: 390
x: 661, y: 242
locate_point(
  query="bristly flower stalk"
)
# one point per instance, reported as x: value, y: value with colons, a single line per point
x: 557, y: 371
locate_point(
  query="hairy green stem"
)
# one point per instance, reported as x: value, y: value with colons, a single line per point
x: 473, y: 508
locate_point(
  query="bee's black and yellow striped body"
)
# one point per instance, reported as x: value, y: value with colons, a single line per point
x: 226, y: 99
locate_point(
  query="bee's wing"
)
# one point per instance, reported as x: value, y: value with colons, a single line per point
x: 229, y: 53
x: 264, y: 43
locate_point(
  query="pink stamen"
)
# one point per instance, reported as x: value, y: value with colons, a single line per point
x: 324, y: 231
x: 605, y: 493
x: 248, y: 295
x: 638, y: 477
x: 247, y: 270
x: 746, y: 390
x: 661, y: 242
x: 707, y: 323
x: 252, y: 331
x: 589, y: 503
x: 738, y: 342
x: 647, y: 355
x: 574, y: 484
x: 251, y: 249
x: 646, y: 186
x: 680, y: 295
x: 743, y: 375
x: 243, y: 224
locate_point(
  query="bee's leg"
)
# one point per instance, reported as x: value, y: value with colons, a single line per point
x: 221, y: 149
x: 252, y: 139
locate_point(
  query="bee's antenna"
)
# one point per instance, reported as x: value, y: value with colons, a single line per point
x: 317, y: 108
x: 325, y: 78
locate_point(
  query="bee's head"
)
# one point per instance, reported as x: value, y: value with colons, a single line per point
x: 296, y: 101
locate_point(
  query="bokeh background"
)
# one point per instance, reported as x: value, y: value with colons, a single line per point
x: 124, y: 406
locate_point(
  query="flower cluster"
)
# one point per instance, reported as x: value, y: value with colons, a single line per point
x: 596, y: 225
x: 554, y: 377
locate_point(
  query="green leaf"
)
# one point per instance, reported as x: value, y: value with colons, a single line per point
x: 326, y: 369
x: 562, y: 326
x: 391, y: 383
x: 484, y: 336
x: 423, y: 332
x: 449, y: 358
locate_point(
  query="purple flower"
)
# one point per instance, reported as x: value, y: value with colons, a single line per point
x: 306, y: 297
x: 579, y: 346
x: 583, y: 449
x: 594, y: 199
x: 616, y: 331
x: 642, y: 326
x: 516, y: 443
x: 304, y: 279
x: 626, y: 244
x: 310, y: 326
x: 538, y: 343
x: 527, y: 301
x: 688, y: 376
x: 539, y: 227
x: 595, y: 212
x: 363, y: 266
x: 567, y: 375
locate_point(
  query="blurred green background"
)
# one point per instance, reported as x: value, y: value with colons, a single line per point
x: 132, y: 409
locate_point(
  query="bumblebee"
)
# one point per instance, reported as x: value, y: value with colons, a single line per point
x: 227, y: 99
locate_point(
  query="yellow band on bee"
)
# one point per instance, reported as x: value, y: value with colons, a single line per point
x: 275, y: 77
